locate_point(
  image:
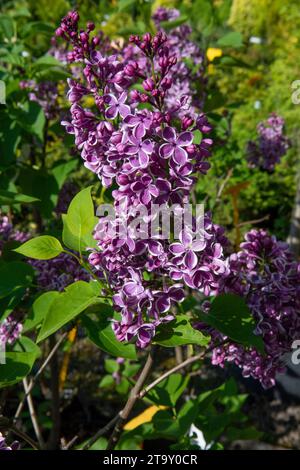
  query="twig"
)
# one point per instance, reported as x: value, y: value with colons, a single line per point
x: 34, y: 379
x: 33, y: 415
x: 53, y: 442
x: 162, y: 377
x: 222, y: 186
x: 6, y: 424
x: 101, y: 432
x: 137, y: 393
x: 70, y: 443
x: 187, y: 362
x: 255, y: 221
x: 133, y: 397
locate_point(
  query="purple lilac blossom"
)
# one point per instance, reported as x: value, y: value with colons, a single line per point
x: 10, y: 331
x: 53, y: 274
x: 152, y: 159
x: 4, y: 446
x: 270, y: 146
x: 45, y: 94
x: 266, y: 275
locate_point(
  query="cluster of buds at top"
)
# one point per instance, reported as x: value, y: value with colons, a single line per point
x: 80, y: 39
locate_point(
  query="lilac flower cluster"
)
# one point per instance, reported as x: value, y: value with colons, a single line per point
x: 7, y: 232
x: 131, y: 138
x: 271, y: 144
x: 44, y: 93
x: 4, y: 446
x: 265, y: 274
x: 59, y: 272
x: 53, y: 274
x: 10, y: 331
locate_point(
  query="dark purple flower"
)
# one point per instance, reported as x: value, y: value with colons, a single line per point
x: 116, y: 105
x: 175, y: 148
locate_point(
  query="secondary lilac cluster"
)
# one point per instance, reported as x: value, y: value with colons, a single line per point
x: 53, y: 274
x: 266, y: 275
x: 270, y: 146
x: 59, y: 272
x: 65, y: 196
x: 44, y: 93
x: 7, y: 232
x: 10, y: 331
x: 4, y: 446
x: 130, y: 138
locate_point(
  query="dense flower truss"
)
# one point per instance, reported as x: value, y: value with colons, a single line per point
x: 4, y: 446
x: 271, y: 144
x: 133, y: 139
x: 265, y: 274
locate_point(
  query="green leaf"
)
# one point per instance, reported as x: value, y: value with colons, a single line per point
x: 70, y: 303
x: 79, y: 222
x: 126, y: 4
x: 62, y: 170
x: 168, y: 25
x: 169, y: 390
x: 43, y: 247
x: 232, y: 39
x: 37, y: 27
x: 39, y: 310
x: 230, y: 314
x: 42, y: 185
x: 7, y: 27
x: 111, y: 366
x: 106, y: 381
x: 46, y: 61
x: 9, y: 303
x: 13, y: 276
x: 32, y: 119
x: 197, y: 137
x: 19, y: 362
x: 100, y: 332
x: 9, y: 198
x: 180, y: 332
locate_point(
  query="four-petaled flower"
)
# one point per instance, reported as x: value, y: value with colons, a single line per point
x: 140, y: 123
x: 175, y: 145
x: 116, y: 106
x: 187, y: 249
x: 139, y: 151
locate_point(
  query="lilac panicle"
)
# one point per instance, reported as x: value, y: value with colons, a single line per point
x: 270, y: 146
x: 152, y: 159
x: 266, y: 275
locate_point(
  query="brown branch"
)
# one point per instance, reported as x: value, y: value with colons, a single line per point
x: 133, y: 397
x: 101, y: 432
x: 187, y: 362
x: 34, y: 379
x: 33, y: 415
x: 53, y: 442
x: 254, y: 221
